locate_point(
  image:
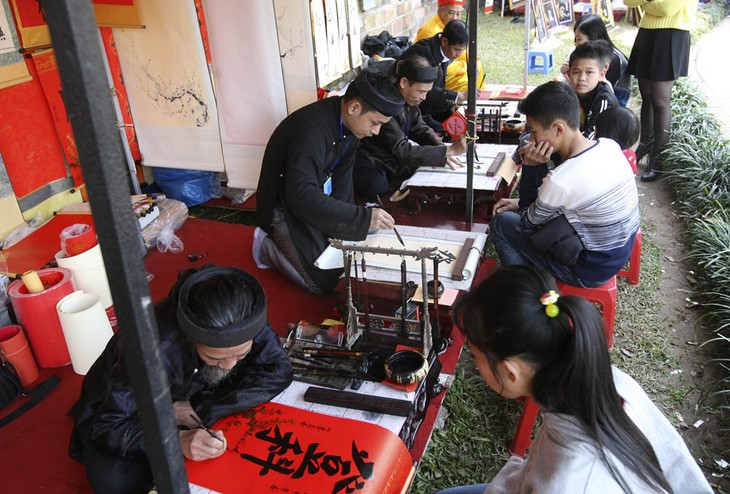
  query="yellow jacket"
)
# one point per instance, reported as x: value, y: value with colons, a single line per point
x: 456, y: 75
x: 666, y: 14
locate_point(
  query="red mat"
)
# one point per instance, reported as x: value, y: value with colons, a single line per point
x: 223, y: 244
x: 230, y: 245
x: 223, y: 202
x: 34, y: 448
x: 33, y: 451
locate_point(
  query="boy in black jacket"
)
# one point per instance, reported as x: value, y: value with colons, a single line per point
x: 587, y: 70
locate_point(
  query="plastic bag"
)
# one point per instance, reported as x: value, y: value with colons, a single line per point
x: 192, y: 187
x: 161, y: 232
x: 4, y: 316
x: 168, y: 241
x: 80, y: 237
x: 385, y: 45
x: 237, y: 196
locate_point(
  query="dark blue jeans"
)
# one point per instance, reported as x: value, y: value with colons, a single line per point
x: 512, y: 242
x: 465, y: 489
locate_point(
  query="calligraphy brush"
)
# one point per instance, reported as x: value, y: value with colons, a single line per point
x: 204, y: 427
x: 400, y: 239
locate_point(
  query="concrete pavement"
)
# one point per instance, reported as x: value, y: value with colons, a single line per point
x: 709, y: 68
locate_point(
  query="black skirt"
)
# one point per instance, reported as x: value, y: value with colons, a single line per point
x: 660, y: 54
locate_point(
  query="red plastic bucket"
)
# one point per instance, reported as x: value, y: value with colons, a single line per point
x: 36, y: 312
x: 15, y: 348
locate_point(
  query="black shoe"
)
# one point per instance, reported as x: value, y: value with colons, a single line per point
x: 650, y: 175
x: 644, y: 148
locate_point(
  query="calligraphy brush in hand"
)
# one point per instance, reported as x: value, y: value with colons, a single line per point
x: 201, y: 425
x: 380, y: 205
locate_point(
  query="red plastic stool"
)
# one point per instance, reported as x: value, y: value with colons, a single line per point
x: 522, y: 438
x: 634, y: 268
x: 605, y: 296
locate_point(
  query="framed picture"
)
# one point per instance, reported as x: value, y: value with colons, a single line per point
x: 565, y: 12
x: 551, y: 14
x: 516, y: 4
x: 538, y: 15
x: 604, y: 9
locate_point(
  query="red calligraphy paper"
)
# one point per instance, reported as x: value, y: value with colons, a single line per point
x: 28, y: 139
x: 277, y: 448
x: 50, y: 79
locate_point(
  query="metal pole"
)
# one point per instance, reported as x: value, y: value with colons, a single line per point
x: 471, y: 72
x: 86, y: 94
x: 120, y: 122
x: 528, y: 28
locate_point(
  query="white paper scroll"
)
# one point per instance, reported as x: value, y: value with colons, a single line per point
x: 85, y: 327
x: 294, y: 396
x: 169, y: 87
x: 296, y: 52
x: 442, y: 177
x: 88, y: 273
x: 485, y: 155
x: 383, y: 267
x: 249, y: 90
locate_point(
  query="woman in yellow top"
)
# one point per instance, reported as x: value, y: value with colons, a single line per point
x: 660, y: 55
x: 456, y: 76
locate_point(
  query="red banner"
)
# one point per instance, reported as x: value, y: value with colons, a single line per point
x: 50, y: 79
x: 33, y: 30
x: 28, y: 140
x: 284, y: 449
x: 116, y: 13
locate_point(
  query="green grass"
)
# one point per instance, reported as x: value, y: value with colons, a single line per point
x: 224, y: 215
x: 501, y: 49
x: 697, y: 162
x: 473, y: 446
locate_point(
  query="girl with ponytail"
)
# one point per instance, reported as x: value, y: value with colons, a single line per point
x: 600, y: 432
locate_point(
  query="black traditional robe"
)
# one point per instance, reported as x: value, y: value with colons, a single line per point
x: 439, y: 99
x: 392, y: 151
x: 108, y: 412
x: 310, y: 145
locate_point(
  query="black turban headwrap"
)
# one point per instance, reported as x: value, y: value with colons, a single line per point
x: 228, y: 336
x: 425, y: 75
x: 380, y: 103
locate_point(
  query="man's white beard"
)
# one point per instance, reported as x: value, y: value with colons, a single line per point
x: 213, y: 375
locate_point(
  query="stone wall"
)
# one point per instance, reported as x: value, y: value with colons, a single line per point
x: 398, y: 17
